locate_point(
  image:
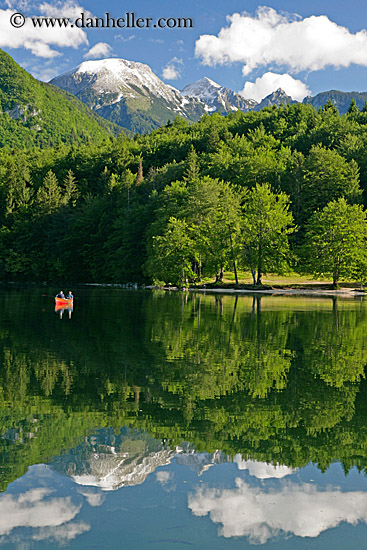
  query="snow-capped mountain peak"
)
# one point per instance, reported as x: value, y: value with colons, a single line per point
x: 128, y: 93
x: 216, y: 97
x: 109, y: 75
x: 205, y: 87
x: 131, y: 95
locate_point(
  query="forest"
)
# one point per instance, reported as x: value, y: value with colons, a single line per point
x: 281, y: 189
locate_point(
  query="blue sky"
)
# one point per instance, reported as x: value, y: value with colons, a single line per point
x: 302, y: 46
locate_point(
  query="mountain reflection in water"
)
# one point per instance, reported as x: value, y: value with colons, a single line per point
x: 248, y: 398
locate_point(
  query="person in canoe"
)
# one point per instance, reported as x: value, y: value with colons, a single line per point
x: 60, y: 295
x: 69, y: 295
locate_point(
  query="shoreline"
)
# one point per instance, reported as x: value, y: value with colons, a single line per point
x: 345, y: 292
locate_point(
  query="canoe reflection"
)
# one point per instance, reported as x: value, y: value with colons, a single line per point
x: 61, y: 308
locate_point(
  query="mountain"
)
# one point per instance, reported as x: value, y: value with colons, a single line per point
x: 109, y: 460
x: 341, y: 100
x: 217, y: 98
x: 128, y: 93
x: 35, y: 113
x: 275, y: 98
x: 221, y: 99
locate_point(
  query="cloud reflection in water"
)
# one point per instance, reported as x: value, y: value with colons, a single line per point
x: 298, y: 509
x: 49, y: 517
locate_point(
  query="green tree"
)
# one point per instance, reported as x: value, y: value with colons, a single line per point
x: 192, y: 171
x: 219, y: 233
x: 18, y: 185
x: 49, y: 195
x: 327, y: 177
x: 174, y: 254
x: 202, y: 207
x: 71, y: 188
x: 266, y: 225
x: 335, y: 241
x: 353, y: 109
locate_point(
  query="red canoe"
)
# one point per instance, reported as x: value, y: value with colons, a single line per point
x: 63, y: 302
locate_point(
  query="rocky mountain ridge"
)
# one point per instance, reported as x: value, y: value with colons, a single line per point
x: 216, y: 97
x: 131, y: 95
x: 123, y: 92
x: 128, y: 93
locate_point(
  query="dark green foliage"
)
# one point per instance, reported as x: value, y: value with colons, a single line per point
x: 336, y: 241
x: 35, y: 113
x: 266, y: 225
x: 108, y: 211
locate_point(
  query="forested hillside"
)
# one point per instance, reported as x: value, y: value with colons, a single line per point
x: 39, y: 114
x: 259, y: 191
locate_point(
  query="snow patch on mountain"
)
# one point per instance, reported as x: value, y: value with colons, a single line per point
x: 216, y: 97
x: 126, y: 78
x: 204, y: 89
x: 128, y: 93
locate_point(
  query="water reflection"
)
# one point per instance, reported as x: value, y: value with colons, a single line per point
x: 61, y: 310
x: 110, y: 461
x: 38, y: 514
x: 263, y: 470
x: 259, y: 502
x: 296, y: 508
x: 277, y: 380
x: 260, y: 387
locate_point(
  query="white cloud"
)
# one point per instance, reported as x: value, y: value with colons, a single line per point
x: 44, y: 74
x: 34, y: 509
x: 63, y: 533
x: 269, y: 82
x: 262, y: 470
x: 93, y: 499
x: 40, y: 49
x: 123, y: 39
x: 39, y: 40
x: 163, y: 476
x: 172, y: 71
x: 99, y: 51
x: 271, y: 38
x: 301, y: 510
x: 64, y: 9
x: 18, y: 4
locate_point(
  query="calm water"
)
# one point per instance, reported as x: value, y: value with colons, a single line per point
x: 145, y: 420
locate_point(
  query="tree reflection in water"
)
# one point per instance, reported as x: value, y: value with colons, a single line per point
x: 277, y: 380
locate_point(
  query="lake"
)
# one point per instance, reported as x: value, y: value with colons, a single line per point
x: 152, y: 419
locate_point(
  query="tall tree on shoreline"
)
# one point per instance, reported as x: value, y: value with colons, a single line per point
x: 266, y: 225
x: 336, y: 240
x: 173, y: 254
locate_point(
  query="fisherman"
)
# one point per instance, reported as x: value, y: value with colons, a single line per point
x: 60, y: 295
x: 69, y: 296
